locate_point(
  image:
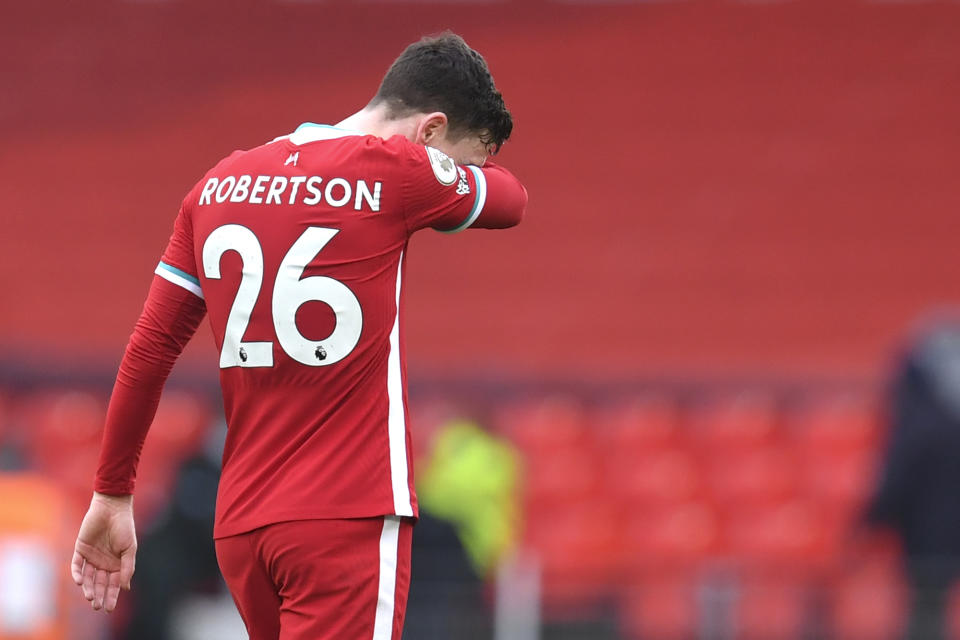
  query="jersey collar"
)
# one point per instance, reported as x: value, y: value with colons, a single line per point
x: 311, y: 132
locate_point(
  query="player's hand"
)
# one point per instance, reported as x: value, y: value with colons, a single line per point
x: 106, y: 549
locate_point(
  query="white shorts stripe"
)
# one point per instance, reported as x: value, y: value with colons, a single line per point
x: 387, y: 591
x: 396, y: 416
x: 170, y: 274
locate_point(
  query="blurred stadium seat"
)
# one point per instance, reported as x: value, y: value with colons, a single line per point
x: 555, y: 480
x: 62, y: 437
x: 179, y: 426
x: 868, y: 603
x: 681, y: 536
x: 746, y: 484
x: 636, y: 424
x: 786, y: 536
x: 758, y: 474
x: 649, y: 478
x: 578, y: 551
x: 769, y: 607
x: 541, y: 426
x: 664, y: 608
x: 835, y: 422
x: 733, y: 422
x: 61, y: 421
x: 839, y: 482
x: 178, y: 430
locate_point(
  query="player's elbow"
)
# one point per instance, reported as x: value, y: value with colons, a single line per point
x: 516, y: 213
x: 522, y: 209
x: 504, y: 210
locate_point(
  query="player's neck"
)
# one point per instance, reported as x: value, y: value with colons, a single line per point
x: 375, y: 122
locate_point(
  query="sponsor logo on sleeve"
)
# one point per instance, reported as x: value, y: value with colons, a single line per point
x: 443, y: 166
x: 463, y: 187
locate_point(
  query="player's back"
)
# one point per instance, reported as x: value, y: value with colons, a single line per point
x: 299, y: 250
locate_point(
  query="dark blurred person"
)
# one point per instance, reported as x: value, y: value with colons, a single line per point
x: 177, y: 556
x: 469, y: 519
x: 918, y: 495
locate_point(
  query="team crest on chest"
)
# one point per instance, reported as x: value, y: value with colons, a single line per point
x: 443, y: 166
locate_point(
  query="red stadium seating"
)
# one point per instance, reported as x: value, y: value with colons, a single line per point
x: 665, y: 608
x: 758, y: 475
x: 179, y: 426
x: 578, y: 549
x: 733, y: 422
x: 63, y: 430
x: 835, y: 422
x: 840, y: 482
x: 771, y: 607
x: 543, y: 425
x: 682, y: 536
x: 557, y: 479
x: 643, y: 479
x: 636, y: 425
x: 63, y: 419
x: 869, y: 604
x: 181, y: 422
x: 787, y: 536
x: 731, y: 503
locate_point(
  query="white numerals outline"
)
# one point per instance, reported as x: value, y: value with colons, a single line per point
x: 234, y: 237
x: 290, y: 292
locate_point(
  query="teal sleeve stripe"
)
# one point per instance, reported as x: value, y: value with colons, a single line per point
x: 183, y: 274
x: 480, y: 199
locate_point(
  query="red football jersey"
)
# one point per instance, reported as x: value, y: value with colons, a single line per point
x: 297, y: 248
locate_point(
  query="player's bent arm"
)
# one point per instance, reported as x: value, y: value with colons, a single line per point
x: 169, y: 319
x: 437, y: 193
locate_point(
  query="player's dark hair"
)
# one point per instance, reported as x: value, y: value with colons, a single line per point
x: 442, y: 73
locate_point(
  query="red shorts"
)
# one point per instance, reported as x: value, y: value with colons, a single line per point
x: 321, y: 579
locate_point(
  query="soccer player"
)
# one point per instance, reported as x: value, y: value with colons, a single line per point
x: 296, y: 250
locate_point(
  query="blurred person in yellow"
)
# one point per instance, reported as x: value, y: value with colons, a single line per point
x: 468, y: 520
x: 471, y: 480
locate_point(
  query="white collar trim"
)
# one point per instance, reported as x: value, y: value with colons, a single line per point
x: 311, y: 132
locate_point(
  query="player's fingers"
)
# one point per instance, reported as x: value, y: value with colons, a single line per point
x: 99, y: 588
x: 89, y: 572
x: 128, y: 564
x: 76, y: 567
x: 113, y: 591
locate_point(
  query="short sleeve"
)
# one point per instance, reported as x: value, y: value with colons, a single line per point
x: 178, y: 264
x: 439, y: 193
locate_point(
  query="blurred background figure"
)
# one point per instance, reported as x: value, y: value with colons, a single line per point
x: 176, y: 558
x: 467, y: 484
x: 919, y: 492
x: 33, y: 596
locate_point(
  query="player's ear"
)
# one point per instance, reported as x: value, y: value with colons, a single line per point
x: 431, y: 128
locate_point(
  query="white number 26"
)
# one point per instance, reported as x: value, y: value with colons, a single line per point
x: 290, y: 291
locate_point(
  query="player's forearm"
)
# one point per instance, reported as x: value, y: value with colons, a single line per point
x: 169, y: 319
x: 506, y: 199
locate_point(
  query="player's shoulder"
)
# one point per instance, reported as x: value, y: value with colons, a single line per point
x: 418, y: 161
